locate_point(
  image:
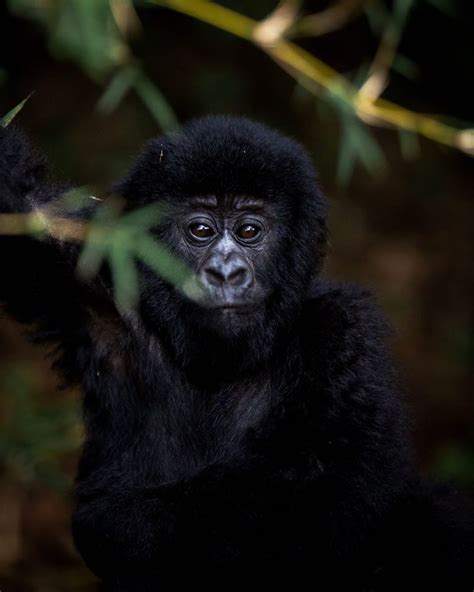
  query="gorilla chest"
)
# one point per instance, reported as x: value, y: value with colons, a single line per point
x: 189, y: 428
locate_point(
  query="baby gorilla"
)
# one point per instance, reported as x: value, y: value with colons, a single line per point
x: 258, y: 433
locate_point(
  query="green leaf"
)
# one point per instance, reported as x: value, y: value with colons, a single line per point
x: 401, y: 11
x: 159, y: 258
x: 448, y: 7
x: 10, y: 116
x: 85, y: 32
x: 118, y: 87
x: 405, y: 67
x: 122, y: 240
x: 369, y: 152
x: 346, y: 162
x: 74, y: 200
x: 409, y: 144
x: 144, y: 218
x: 97, y: 245
x: 357, y: 145
x: 124, y: 274
x: 377, y: 15
x: 455, y: 462
x: 156, y: 103
x: 92, y: 255
x: 34, y: 434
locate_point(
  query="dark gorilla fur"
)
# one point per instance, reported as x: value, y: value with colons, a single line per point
x: 277, y: 453
x: 223, y: 156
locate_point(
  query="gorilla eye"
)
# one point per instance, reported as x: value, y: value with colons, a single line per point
x: 200, y: 230
x: 248, y: 231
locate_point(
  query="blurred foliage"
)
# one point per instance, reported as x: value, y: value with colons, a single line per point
x: 121, y: 240
x: 365, y: 101
x: 456, y: 463
x: 357, y: 145
x: 111, y: 237
x: 94, y: 34
x: 448, y: 7
x: 34, y: 435
x: 85, y: 32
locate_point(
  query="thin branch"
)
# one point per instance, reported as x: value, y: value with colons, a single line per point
x: 326, y: 21
x: 221, y: 17
x: 125, y: 17
x: 379, y: 71
x: 62, y: 229
x: 277, y: 23
x: 301, y: 63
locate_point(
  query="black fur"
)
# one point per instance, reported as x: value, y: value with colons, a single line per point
x: 278, y: 454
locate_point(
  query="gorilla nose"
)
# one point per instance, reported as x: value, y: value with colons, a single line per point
x: 230, y: 273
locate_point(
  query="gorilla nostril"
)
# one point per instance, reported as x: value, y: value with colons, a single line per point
x: 237, y: 276
x: 214, y: 276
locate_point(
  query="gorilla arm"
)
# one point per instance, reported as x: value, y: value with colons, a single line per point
x: 38, y: 284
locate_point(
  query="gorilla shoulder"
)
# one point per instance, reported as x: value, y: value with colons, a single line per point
x: 341, y: 310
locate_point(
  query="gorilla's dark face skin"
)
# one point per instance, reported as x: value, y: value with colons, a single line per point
x: 228, y: 246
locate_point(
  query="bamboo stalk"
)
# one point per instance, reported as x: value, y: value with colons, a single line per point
x: 300, y: 63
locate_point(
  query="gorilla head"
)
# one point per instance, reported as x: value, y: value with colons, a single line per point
x: 243, y: 209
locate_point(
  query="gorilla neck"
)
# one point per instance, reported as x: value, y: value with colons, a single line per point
x: 210, y: 355
x: 209, y: 350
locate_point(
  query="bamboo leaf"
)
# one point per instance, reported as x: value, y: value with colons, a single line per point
x: 368, y: 151
x: 448, y: 7
x: 74, y: 200
x: 118, y: 87
x: 145, y: 217
x: 85, y: 32
x: 357, y: 145
x: 346, y: 162
x: 10, y: 116
x: 98, y: 243
x: 35, y: 435
x: 124, y: 273
x: 405, y: 66
x: 377, y: 16
x: 93, y: 254
x: 156, y: 103
x: 409, y: 145
x: 401, y: 12
x: 159, y: 258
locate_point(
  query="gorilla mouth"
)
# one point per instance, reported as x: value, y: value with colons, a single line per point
x: 228, y: 308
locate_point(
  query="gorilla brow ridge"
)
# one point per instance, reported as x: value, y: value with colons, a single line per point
x: 239, y: 202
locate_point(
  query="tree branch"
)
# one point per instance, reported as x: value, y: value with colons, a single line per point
x: 300, y: 63
x: 331, y: 19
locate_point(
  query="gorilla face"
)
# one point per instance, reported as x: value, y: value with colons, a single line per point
x: 228, y: 243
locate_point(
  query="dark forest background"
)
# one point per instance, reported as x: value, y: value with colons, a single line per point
x: 402, y: 224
